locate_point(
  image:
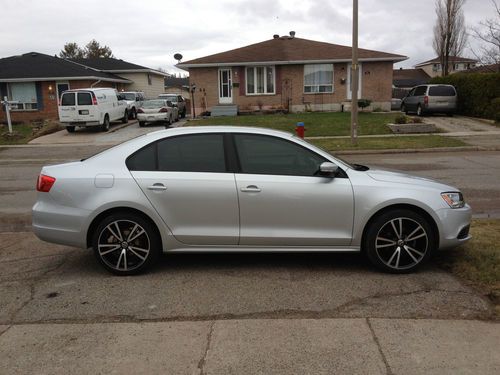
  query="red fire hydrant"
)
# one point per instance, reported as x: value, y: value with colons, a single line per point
x: 299, y: 129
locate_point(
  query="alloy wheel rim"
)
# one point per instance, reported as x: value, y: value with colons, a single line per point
x: 123, y: 245
x: 401, y: 243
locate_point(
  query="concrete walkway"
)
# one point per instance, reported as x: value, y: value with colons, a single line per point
x: 254, y: 346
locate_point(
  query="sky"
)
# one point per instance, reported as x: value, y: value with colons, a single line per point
x: 150, y: 32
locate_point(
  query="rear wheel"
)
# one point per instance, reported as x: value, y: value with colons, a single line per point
x: 70, y: 129
x: 105, y: 124
x: 133, y: 114
x: 126, y: 244
x: 403, y: 109
x: 142, y: 124
x: 125, y: 117
x: 399, y: 241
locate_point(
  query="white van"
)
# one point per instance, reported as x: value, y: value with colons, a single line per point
x: 91, y: 107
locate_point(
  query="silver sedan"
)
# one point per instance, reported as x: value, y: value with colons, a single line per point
x: 217, y: 189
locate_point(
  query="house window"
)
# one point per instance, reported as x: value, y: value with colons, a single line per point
x: 23, y: 93
x: 260, y: 80
x: 318, y: 78
x: 436, y: 67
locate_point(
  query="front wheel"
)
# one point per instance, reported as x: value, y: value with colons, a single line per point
x: 70, y: 129
x: 126, y: 244
x: 399, y: 241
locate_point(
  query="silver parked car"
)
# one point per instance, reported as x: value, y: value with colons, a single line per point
x: 157, y: 110
x: 213, y: 189
x: 426, y: 99
x: 177, y: 100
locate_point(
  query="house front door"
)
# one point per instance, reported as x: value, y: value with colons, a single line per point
x: 225, y: 86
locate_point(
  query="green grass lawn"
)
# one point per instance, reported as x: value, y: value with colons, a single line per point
x: 479, y: 260
x: 25, y: 132
x: 316, y: 123
x: 382, y: 143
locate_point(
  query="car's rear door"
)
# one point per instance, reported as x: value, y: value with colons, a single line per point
x: 190, y: 187
x: 67, y: 107
x: 282, y: 200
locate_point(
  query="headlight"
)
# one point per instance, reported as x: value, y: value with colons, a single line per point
x: 454, y: 199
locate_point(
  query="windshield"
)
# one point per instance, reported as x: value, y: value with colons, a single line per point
x: 154, y: 103
x: 128, y: 95
x: 172, y: 98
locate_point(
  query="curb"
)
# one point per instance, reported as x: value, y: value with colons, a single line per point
x: 414, y: 150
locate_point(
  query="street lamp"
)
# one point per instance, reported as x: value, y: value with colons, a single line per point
x: 193, y: 89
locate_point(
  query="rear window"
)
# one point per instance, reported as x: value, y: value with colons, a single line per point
x: 68, y: 99
x: 84, y: 98
x: 441, y: 91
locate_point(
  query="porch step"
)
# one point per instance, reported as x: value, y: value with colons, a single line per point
x: 224, y: 110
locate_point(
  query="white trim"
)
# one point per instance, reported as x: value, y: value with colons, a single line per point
x: 93, y: 78
x: 152, y: 71
x: 224, y: 99
x: 265, y: 81
x: 289, y: 62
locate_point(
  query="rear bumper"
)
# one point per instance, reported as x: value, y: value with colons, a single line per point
x: 153, y: 117
x: 82, y: 123
x: 59, y: 224
x: 454, y: 226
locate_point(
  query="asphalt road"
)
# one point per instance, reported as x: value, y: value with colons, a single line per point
x: 317, y: 313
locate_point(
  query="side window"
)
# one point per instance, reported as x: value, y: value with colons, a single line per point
x: 420, y: 90
x: 68, y: 98
x: 192, y: 153
x: 261, y: 154
x: 179, y: 99
x: 412, y: 92
x: 144, y: 159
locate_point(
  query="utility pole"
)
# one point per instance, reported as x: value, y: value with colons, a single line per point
x: 354, y: 74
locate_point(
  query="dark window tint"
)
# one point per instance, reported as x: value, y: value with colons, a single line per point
x: 420, y: 90
x: 144, y: 159
x: 441, y: 91
x: 84, y: 98
x: 68, y: 99
x: 192, y: 153
x: 261, y: 154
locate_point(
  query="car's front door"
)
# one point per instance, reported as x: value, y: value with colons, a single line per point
x: 189, y: 187
x: 282, y: 200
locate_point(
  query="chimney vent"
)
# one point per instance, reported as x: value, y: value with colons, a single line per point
x: 276, y: 36
x: 292, y: 34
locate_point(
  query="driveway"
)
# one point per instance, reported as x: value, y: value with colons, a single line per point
x: 460, y: 124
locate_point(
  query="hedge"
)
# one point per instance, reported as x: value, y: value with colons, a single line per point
x: 478, y: 93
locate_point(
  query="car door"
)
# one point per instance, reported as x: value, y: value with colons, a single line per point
x: 282, y: 200
x: 186, y: 180
x: 408, y: 101
x: 419, y: 94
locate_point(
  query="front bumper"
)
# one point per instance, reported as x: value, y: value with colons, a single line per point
x: 153, y: 117
x: 454, y: 226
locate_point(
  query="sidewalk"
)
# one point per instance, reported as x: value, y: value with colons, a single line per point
x: 255, y: 346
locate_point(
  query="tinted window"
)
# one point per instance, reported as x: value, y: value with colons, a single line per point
x: 84, y: 98
x: 68, y: 99
x: 144, y: 159
x: 441, y: 91
x: 261, y: 154
x: 192, y: 153
x: 420, y: 90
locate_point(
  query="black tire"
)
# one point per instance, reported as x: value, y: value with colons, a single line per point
x: 420, y: 111
x: 70, y: 129
x: 105, y: 124
x: 183, y: 114
x: 449, y: 114
x: 132, y: 255
x: 399, y: 254
x: 133, y: 114
x: 403, y: 109
x: 125, y: 117
x: 142, y: 124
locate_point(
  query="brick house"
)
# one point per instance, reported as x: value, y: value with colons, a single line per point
x: 291, y: 73
x: 455, y: 64
x: 36, y: 80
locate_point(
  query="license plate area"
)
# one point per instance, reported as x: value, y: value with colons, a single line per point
x: 83, y: 112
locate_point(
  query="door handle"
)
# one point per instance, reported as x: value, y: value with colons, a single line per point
x: 250, y: 189
x: 157, y: 187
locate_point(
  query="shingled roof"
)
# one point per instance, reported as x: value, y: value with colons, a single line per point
x: 451, y: 60
x: 112, y: 65
x: 34, y: 66
x: 410, y: 77
x: 288, y: 50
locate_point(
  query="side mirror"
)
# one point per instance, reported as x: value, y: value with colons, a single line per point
x: 328, y: 169
x: 169, y: 103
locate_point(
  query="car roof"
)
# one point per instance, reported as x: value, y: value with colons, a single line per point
x: 220, y: 128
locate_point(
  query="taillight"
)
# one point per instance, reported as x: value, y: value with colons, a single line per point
x: 94, y: 99
x: 44, y: 183
x: 426, y: 100
x: 164, y: 109
x: 140, y: 110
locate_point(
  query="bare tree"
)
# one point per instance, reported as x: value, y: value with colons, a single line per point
x: 488, y: 36
x: 450, y: 35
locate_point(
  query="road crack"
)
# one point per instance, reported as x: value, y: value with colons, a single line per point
x: 377, y: 342
x: 201, y: 363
